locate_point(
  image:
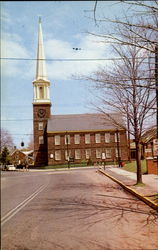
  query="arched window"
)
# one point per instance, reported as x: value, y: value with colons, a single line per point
x: 41, y: 93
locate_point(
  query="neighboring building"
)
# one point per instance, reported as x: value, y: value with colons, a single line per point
x: 146, y: 144
x: 59, y: 138
x: 147, y: 141
x: 132, y: 150
x: 19, y: 157
x: 150, y: 149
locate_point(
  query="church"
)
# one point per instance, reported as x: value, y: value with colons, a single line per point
x: 59, y: 139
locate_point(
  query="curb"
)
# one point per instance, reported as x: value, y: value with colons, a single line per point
x: 133, y: 192
x: 60, y: 169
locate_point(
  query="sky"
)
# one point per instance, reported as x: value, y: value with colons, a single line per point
x: 65, y: 26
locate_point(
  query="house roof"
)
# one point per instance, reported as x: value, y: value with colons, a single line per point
x: 27, y: 152
x: 82, y: 122
x: 23, y: 152
x: 149, y: 135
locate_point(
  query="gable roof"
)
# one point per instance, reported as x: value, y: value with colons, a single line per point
x: 82, y: 122
x: 22, y: 152
x: 149, y: 135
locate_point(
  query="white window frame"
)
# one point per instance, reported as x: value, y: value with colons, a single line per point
x: 98, y: 153
x: 77, y: 139
x: 77, y: 154
x: 87, y: 138
x: 108, y: 153
x: 97, y: 138
x: 58, y: 155
x: 67, y: 137
x: 88, y: 153
x: 118, y: 137
x: 40, y: 126
x: 107, y: 137
x: 41, y: 139
x: 57, y: 139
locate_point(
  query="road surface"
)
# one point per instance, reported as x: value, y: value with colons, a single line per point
x: 72, y: 210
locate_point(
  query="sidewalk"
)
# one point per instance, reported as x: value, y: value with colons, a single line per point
x: 149, y: 189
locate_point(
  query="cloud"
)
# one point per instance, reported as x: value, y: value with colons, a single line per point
x: 11, y: 47
x: 91, y: 48
x: 5, y: 17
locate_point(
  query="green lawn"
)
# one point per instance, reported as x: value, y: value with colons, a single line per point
x: 131, y: 167
x: 72, y: 165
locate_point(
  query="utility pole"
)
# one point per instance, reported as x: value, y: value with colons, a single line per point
x: 156, y: 86
x: 68, y: 162
x: 128, y: 136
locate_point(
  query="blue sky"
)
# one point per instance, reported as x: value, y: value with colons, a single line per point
x: 65, y: 25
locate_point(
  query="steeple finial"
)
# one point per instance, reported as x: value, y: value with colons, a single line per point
x: 41, y: 65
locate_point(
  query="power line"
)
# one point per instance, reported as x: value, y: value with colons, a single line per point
x: 69, y: 59
x: 17, y: 120
x: 21, y: 134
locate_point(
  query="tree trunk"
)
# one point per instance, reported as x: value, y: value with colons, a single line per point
x: 138, y: 163
x: 128, y: 139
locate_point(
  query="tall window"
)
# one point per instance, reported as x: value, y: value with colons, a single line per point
x: 57, y: 155
x: 67, y: 155
x: 87, y: 138
x: 116, y: 152
x: 41, y: 140
x: 77, y: 139
x: 41, y: 92
x: 40, y: 126
x: 88, y: 153
x: 108, y: 153
x: 77, y: 154
x: 97, y: 138
x: 57, y: 139
x: 98, y: 153
x: 107, y: 137
x: 117, y: 136
x: 67, y: 139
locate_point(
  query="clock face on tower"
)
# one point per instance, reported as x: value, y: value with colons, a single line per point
x: 41, y: 113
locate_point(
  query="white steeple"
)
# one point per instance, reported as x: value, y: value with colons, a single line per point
x: 41, y: 82
x: 41, y: 65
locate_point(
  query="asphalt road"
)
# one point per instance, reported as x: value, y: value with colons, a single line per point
x: 72, y: 209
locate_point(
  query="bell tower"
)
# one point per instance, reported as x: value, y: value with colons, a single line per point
x: 41, y: 105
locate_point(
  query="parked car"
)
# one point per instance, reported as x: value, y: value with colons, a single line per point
x: 20, y: 166
x: 10, y: 167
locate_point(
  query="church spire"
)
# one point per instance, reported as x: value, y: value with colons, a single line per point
x: 41, y: 83
x: 41, y: 65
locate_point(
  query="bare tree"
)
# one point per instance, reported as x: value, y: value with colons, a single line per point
x: 140, y: 21
x: 128, y: 88
x: 6, y: 139
x: 131, y: 83
x: 31, y: 143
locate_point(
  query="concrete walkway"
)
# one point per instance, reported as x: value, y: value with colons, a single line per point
x: 129, y: 179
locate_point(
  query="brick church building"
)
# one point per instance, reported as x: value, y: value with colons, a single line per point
x: 59, y: 138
